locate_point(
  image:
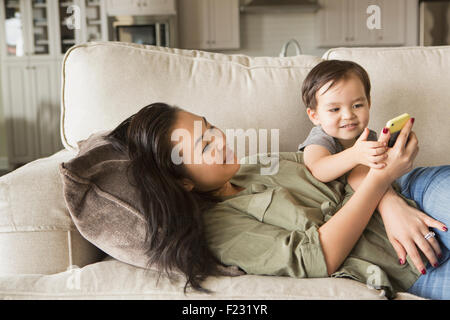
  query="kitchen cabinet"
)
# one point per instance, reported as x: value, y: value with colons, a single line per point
x: 209, y: 24
x: 34, y: 36
x: 393, y: 21
x: 27, y: 25
x: 19, y: 122
x: 31, y: 109
x: 48, y: 28
x: 345, y: 23
x: 140, y: 7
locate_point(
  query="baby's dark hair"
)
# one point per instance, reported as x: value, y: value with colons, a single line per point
x: 331, y: 70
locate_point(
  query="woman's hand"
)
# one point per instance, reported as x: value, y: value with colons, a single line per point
x: 401, y: 156
x: 406, y: 227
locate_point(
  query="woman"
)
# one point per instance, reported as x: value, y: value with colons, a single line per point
x: 288, y: 223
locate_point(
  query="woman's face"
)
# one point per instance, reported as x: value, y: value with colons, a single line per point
x: 202, y: 148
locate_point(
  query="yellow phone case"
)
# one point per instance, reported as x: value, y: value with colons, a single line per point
x: 395, y: 126
x: 397, y: 123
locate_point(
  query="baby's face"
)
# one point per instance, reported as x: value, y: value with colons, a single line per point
x: 343, y: 110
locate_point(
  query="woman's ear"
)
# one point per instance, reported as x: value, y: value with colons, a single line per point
x: 187, y: 184
x: 312, y: 115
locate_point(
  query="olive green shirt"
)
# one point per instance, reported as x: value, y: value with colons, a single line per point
x: 271, y: 228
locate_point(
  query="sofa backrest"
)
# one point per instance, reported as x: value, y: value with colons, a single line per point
x: 105, y: 82
x: 415, y: 80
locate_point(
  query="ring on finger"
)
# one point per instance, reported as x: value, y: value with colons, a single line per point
x: 429, y: 235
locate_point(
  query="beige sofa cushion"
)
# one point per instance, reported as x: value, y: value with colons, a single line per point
x: 413, y: 80
x: 104, y: 83
x: 37, y: 234
x: 111, y: 279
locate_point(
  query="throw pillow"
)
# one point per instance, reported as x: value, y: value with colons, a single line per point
x: 104, y: 203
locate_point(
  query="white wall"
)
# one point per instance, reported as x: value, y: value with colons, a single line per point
x: 264, y: 34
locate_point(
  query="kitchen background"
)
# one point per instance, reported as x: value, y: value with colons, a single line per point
x: 31, y: 58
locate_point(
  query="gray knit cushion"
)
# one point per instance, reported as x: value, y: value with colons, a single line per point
x: 103, y: 202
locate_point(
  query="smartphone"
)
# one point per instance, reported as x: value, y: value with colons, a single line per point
x: 395, y: 126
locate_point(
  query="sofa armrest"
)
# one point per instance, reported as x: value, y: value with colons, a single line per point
x: 37, y: 234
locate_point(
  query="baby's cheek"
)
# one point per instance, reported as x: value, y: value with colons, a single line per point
x: 366, y: 120
x: 330, y: 127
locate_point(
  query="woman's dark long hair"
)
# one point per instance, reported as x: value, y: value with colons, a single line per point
x: 175, y: 232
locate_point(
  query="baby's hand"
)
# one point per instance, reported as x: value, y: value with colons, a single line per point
x: 369, y: 153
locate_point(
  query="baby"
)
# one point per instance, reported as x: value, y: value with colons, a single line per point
x: 337, y: 98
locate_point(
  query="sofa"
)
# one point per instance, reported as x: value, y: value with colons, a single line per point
x: 44, y: 256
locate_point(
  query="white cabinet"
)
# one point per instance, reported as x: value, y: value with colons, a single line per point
x: 193, y: 21
x: 34, y: 36
x: 18, y: 114
x: 332, y: 22
x: 140, y: 7
x: 358, y: 32
x: 393, y: 22
x: 26, y: 26
x: 209, y: 24
x: 345, y: 23
x: 48, y: 28
x: 31, y: 109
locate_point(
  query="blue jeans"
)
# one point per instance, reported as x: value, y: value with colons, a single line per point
x: 429, y: 187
